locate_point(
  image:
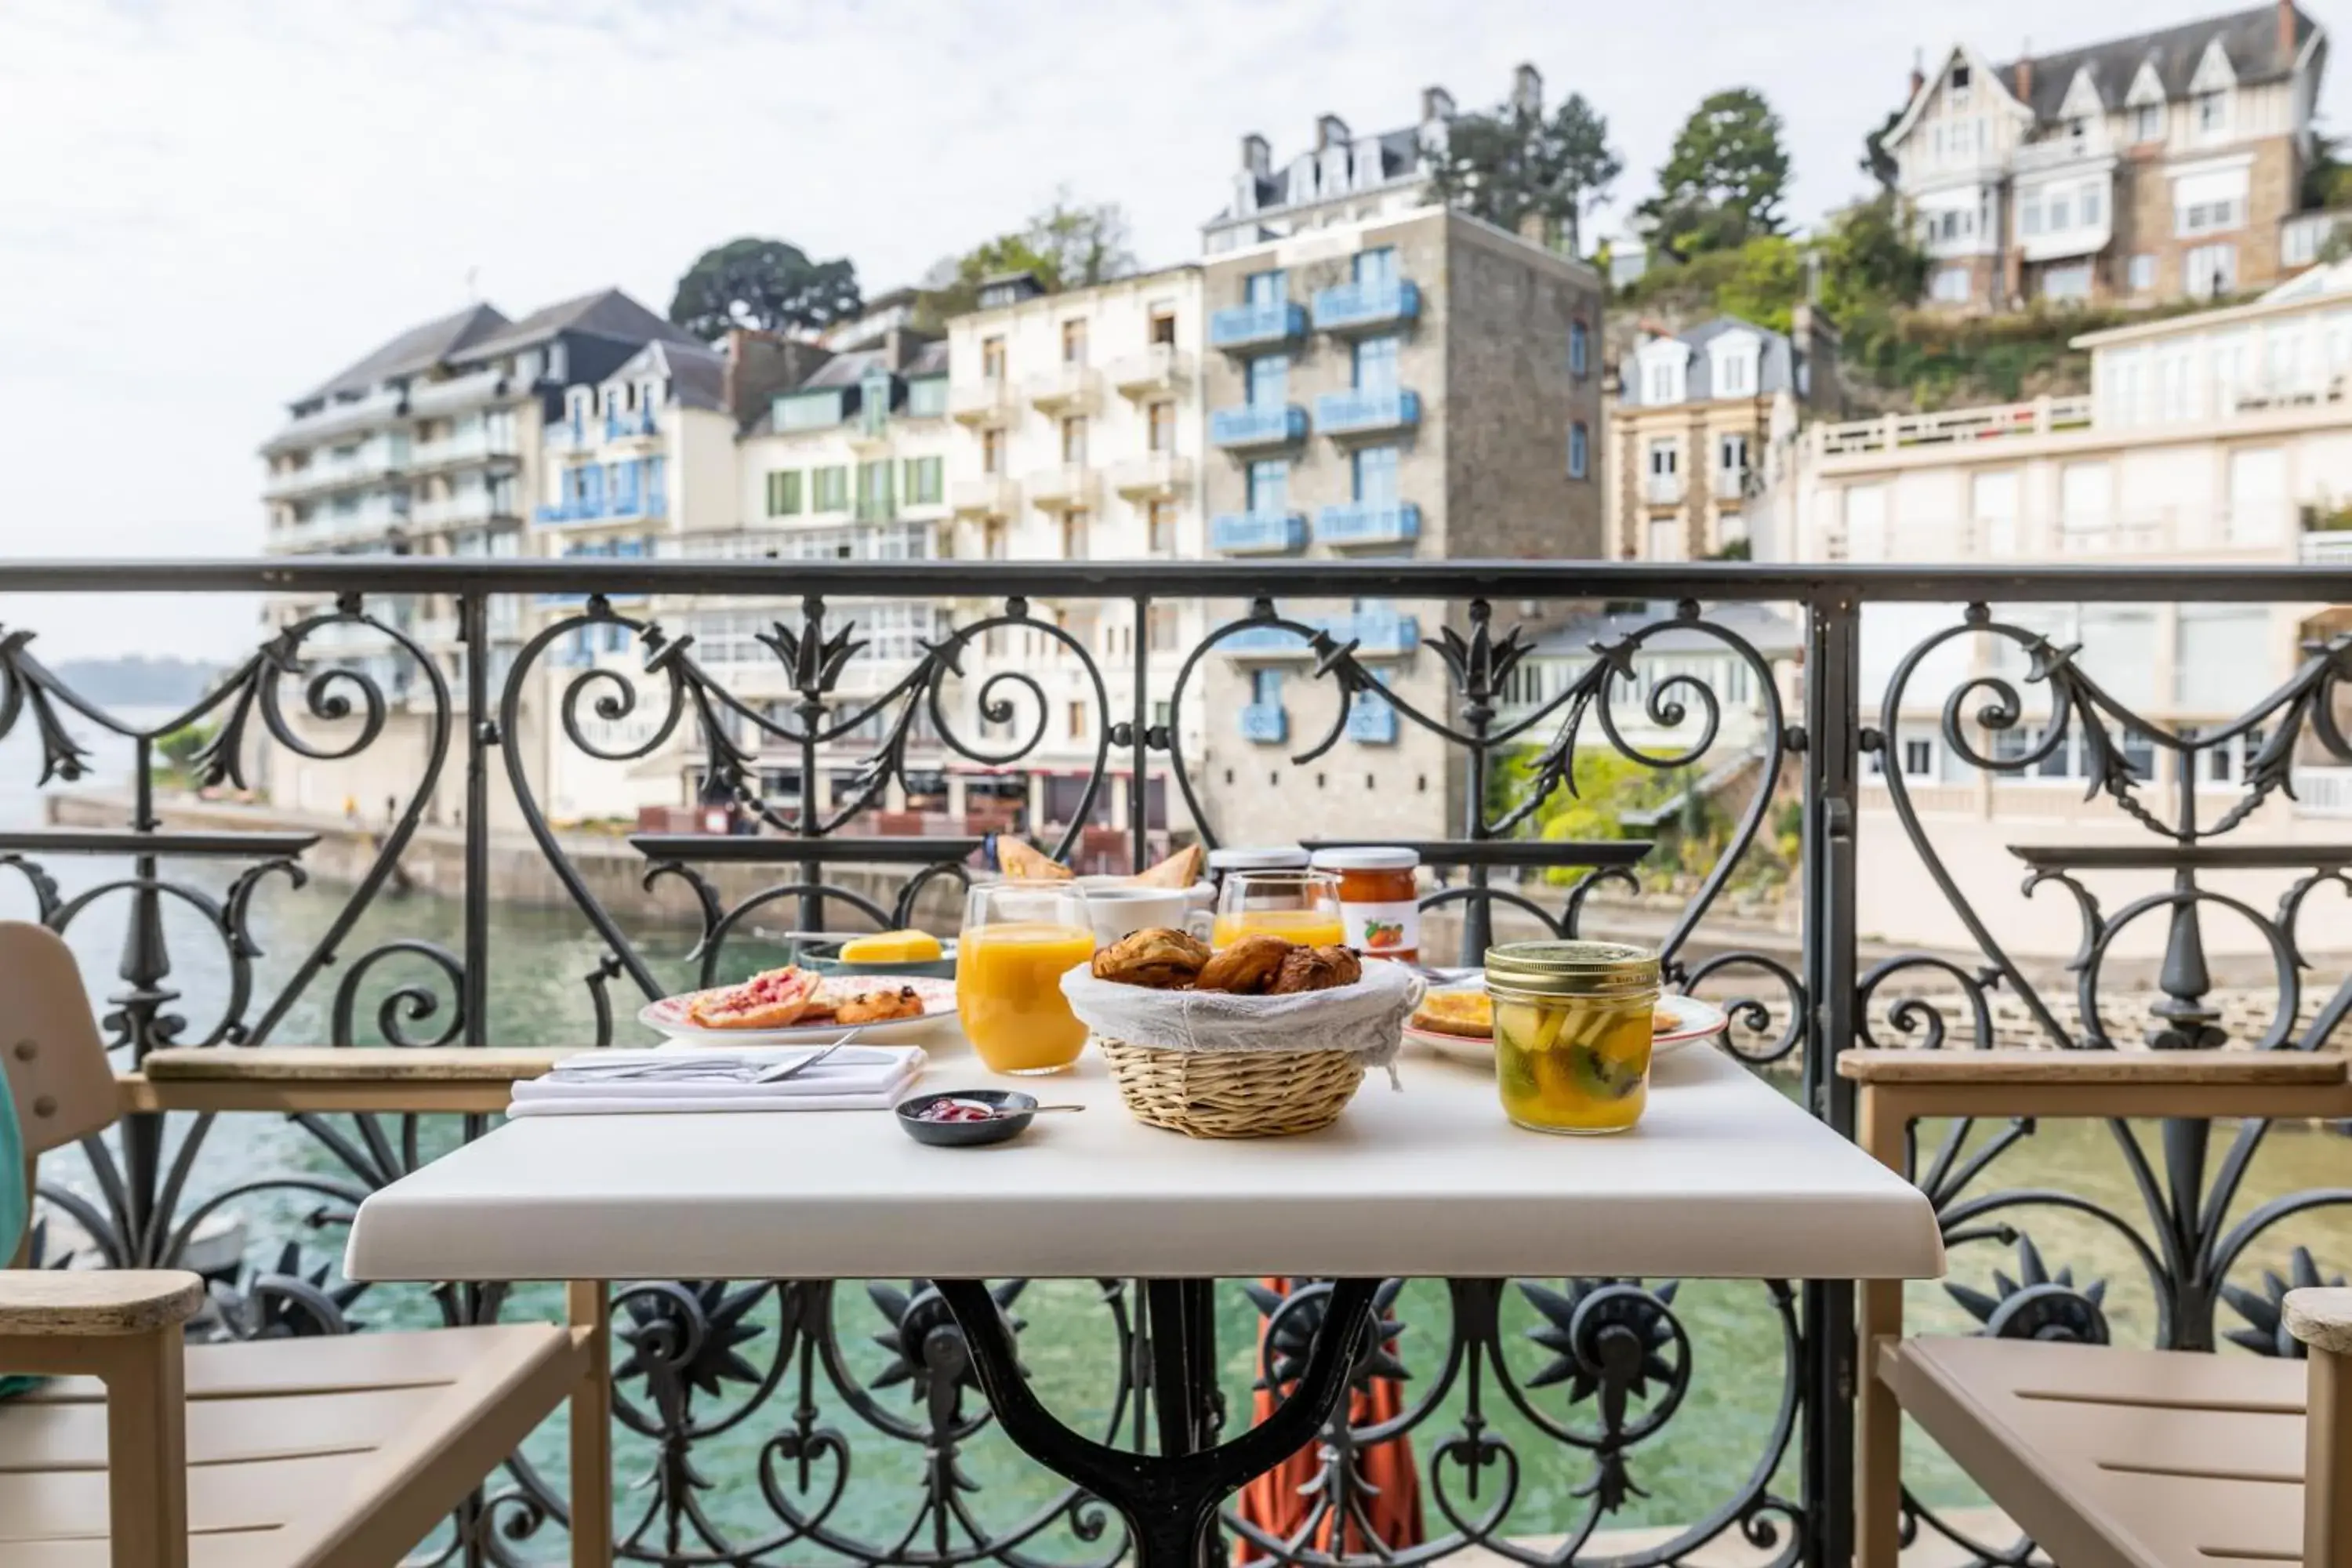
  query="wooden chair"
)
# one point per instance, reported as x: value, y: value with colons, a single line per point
x: 310, y: 1453
x: 2110, y: 1458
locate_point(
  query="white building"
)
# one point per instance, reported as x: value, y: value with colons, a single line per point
x: 2224, y: 437
x: 1080, y: 439
x: 431, y: 445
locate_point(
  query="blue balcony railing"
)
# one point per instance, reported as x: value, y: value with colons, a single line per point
x: 1375, y: 632
x: 1265, y: 722
x: 1257, y: 533
x: 1257, y: 424
x: 1367, y: 411
x: 1256, y: 326
x: 1369, y: 522
x: 1381, y: 302
x: 1372, y: 721
x: 603, y: 508
x: 634, y: 422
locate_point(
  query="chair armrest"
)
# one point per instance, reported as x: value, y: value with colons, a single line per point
x: 59, y: 1303
x: 2012, y: 1082
x: 2320, y: 1318
x: 315, y: 1079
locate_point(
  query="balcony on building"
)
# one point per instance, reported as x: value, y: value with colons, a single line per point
x: 1257, y: 424
x: 1062, y: 489
x: 1367, y: 411
x: 1257, y: 533
x: 1368, y: 523
x: 630, y: 424
x: 1377, y: 630
x: 1267, y: 723
x: 1158, y: 477
x: 1662, y: 490
x: 572, y: 435
x: 1161, y: 368
x: 1372, y: 721
x: 979, y: 403
x: 1065, y: 389
x: 988, y: 495
x: 466, y: 507
x: 478, y: 444
x: 1367, y: 305
x: 1242, y: 327
x: 627, y: 506
x: 1730, y: 484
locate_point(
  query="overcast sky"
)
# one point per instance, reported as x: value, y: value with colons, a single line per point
x: 208, y: 206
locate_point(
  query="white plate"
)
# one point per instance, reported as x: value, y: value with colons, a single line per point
x: 1695, y: 1020
x: 938, y: 996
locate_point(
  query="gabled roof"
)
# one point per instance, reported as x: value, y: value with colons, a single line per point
x: 1775, y: 360
x: 608, y: 313
x: 841, y: 369
x: 2249, y: 38
x: 697, y: 375
x: 417, y: 349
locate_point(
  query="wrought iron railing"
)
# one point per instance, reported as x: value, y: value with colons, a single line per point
x: 775, y: 1421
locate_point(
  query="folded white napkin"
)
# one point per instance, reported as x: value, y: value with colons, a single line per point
x: 862, y: 1078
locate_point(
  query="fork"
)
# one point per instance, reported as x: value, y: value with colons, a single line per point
x: 687, y: 1071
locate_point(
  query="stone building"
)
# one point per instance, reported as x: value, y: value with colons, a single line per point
x: 2160, y: 166
x: 1700, y: 429
x: 1409, y: 385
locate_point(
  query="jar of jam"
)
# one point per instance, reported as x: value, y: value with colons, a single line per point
x: 1380, y: 904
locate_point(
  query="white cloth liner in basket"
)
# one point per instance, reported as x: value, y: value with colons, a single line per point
x: 1367, y: 1018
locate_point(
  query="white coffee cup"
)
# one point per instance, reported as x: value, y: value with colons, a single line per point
x: 1115, y: 911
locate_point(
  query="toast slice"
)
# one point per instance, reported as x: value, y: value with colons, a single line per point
x: 1018, y: 860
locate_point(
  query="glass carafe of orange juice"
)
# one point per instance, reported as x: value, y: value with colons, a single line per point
x: 1019, y: 938
x: 1301, y: 906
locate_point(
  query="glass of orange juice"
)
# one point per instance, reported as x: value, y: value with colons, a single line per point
x: 1019, y: 938
x: 1303, y: 906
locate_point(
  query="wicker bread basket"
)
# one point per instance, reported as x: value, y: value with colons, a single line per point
x: 1234, y: 1094
x: 1210, y: 1064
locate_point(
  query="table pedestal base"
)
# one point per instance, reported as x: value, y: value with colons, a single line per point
x: 1168, y: 1499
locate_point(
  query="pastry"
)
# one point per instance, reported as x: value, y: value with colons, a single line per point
x: 1181, y: 869
x: 1248, y: 967
x: 1467, y: 1013
x: 1316, y: 969
x: 772, y: 999
x: 1157, y: 957
x: 877, y: 1005
x: 1018, y: 860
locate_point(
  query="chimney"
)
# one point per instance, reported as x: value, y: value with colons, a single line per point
x: 1526, y: 90
x: 1919, y: 77
x: 1330, y: 131
x: 2286, y: 32
x: 2025, y: 74
x: 1436, y: 104
x: 1256, y: 157
x: 896, y: 343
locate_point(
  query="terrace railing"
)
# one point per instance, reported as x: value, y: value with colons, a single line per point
x: 769, y: 1421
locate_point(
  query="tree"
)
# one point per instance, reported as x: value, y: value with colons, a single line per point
x: 1514, y: 161
x: 1722, y: 180
x: 1067, y: 243
x: 763, y: 284
x: 1876, y: 161
x: 1868, y: 258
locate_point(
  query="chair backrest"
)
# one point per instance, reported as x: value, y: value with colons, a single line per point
x: 51, y: 1060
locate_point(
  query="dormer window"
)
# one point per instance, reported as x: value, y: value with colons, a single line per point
x: 1959, y: 84
x: 1731, y: 361
x: 1664, y: 383
x: 2212, y: 113
x: 2148, y: 123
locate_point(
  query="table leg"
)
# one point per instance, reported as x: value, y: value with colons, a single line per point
x: 1169, y: 1500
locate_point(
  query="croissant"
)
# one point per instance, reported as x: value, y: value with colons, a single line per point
x: 1248, y: 967
x: 1157, y: 957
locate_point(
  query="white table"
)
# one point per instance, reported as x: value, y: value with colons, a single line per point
x: 1722, y: 1178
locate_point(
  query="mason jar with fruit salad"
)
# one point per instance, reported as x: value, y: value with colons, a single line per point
x: 1572, y: 1030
